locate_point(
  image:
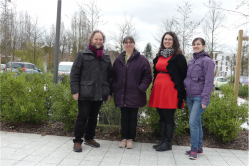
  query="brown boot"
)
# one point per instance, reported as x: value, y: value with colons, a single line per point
x: 92, y: 143
x: 77, y: 147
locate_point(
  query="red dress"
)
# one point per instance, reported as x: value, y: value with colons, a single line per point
x: 163, y: 94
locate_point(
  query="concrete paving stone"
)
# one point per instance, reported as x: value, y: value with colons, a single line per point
x: 45, y: 164
x: 112, y: 154
x: 200, y: 161
x: 111, y: 159
x: 210, y: 153
x: 24, y: 151
x: 89, y: 163
x: 94, y: 158
x: 218, y: 163
x: 166, y: 162
x: 4, y: 144
x: 76, y: 155
x: 130, y: 157
x: 48, y: 149
x: 63, y: 150
x: 227, y: 154
x: 147, y: 162
x: 15, y: 146
x: 244, y: 160
x: 59, y: 154
x: 215, y: 158
x: 97, y: 153
x: 71, y: 162
x: 235, y: 163
x: 148, y: 157
x: 33, y: 158
x: 7, y: 150
x: 179, y: 151
x: 102, y: 149
x: 208, y: 150
x: 222, y: 150
x: 127, y: 165
x: 35, y: 147
x: 52, y: 160
x: 103, y: 163
x: 176, y: 147
x: 25, y: 163
x: 234, y: 158
x: 117, y: 150
x: 54, y: 144
x: 129, y: 161
x: 182, y: 161
x: 14, y: 157
x: 6, y: 162
x: 41, y: 153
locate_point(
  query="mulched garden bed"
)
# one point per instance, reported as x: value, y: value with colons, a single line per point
x: 144, y: 134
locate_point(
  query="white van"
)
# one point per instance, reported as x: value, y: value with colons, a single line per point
x: 65, y: 68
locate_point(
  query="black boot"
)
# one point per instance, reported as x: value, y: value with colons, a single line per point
x: 167, y: 143
x: 162, y: 132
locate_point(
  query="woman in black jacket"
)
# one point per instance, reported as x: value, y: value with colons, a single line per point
x: 168, y: 93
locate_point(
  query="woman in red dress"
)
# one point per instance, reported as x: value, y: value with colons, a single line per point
x: 168, y: 92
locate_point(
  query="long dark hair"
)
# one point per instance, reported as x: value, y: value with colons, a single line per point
x: 175, y: 46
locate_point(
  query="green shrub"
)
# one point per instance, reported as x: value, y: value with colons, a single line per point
x: 109, y: 114
x: 22, y: 100
x: 243, y: 90
x: 223, y: 116
x: 64, y: 107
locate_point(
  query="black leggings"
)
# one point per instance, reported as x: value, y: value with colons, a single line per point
x: 166, y: 115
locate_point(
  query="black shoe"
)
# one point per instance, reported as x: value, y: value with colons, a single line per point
x: 77, y: 147
x: 162, y: 132
x: 92, y: 143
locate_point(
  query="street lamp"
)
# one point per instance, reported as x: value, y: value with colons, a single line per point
x: 57, y: 42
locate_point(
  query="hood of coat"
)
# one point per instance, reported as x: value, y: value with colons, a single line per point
x: 201, y: 54
x: 133, y: 56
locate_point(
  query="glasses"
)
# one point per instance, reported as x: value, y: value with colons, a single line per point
x: 168, y: 39
x: 128, y: 42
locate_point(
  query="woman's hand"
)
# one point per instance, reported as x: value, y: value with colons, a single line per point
x: 203, y: 106
x: 109, y: 97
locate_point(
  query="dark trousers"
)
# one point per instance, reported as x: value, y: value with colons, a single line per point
x: 167, y: 115
x: 86, y: 120
x: 128, y: 122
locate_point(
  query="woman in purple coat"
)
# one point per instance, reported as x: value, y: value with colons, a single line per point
x: 131, y: 77
x: 199, y: 86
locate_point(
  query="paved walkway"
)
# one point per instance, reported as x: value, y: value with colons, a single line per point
x: 33, y: 149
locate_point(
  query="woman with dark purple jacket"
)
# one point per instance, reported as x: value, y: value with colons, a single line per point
x: 131, y: 78
x: 199, y: 86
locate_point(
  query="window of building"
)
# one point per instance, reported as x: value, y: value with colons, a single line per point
x: 226, y: 63
x: 216, y: 62
x: 227, y: 58
x: 220, y: 68
x: 226, y: 68
x: 222, y: 57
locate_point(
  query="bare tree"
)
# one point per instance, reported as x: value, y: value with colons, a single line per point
x: 212, y: 28
x: 243, y: 17
x: 125, y: 28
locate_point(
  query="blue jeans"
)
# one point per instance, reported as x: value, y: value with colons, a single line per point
x: 195, y: 110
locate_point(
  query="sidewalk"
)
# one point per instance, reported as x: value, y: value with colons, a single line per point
x: 33, y: 149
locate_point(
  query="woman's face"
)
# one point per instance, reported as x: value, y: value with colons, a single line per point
x: 198, y: 47
x: 168, y: 41
x: 129, y: 45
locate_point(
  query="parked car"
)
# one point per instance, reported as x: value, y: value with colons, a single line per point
x: 2, y: 67
x: 219, y: 81
x: 26, y: 67
x: 65, y: 68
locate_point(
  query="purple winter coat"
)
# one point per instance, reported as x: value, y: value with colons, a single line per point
x: 200, y: 77
x: 131, y: 80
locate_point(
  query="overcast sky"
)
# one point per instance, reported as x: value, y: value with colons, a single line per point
x: 147, y: 14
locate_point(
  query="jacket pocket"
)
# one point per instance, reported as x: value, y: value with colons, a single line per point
x: 86, y: 89
x: 105, y: 89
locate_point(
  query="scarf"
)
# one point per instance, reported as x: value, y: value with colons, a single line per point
x: 167, y: 52
x: 99, y: 51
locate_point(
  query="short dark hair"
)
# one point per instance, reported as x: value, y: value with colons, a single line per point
x: 128, y: 38
x: 176, y: 44
x: 93, y: 33
x: 201, y: 40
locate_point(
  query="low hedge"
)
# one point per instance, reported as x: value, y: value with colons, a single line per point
x: 32, y: 98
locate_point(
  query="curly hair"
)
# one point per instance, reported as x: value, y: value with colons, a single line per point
x: 176, y: 44
x: 93, y: 33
